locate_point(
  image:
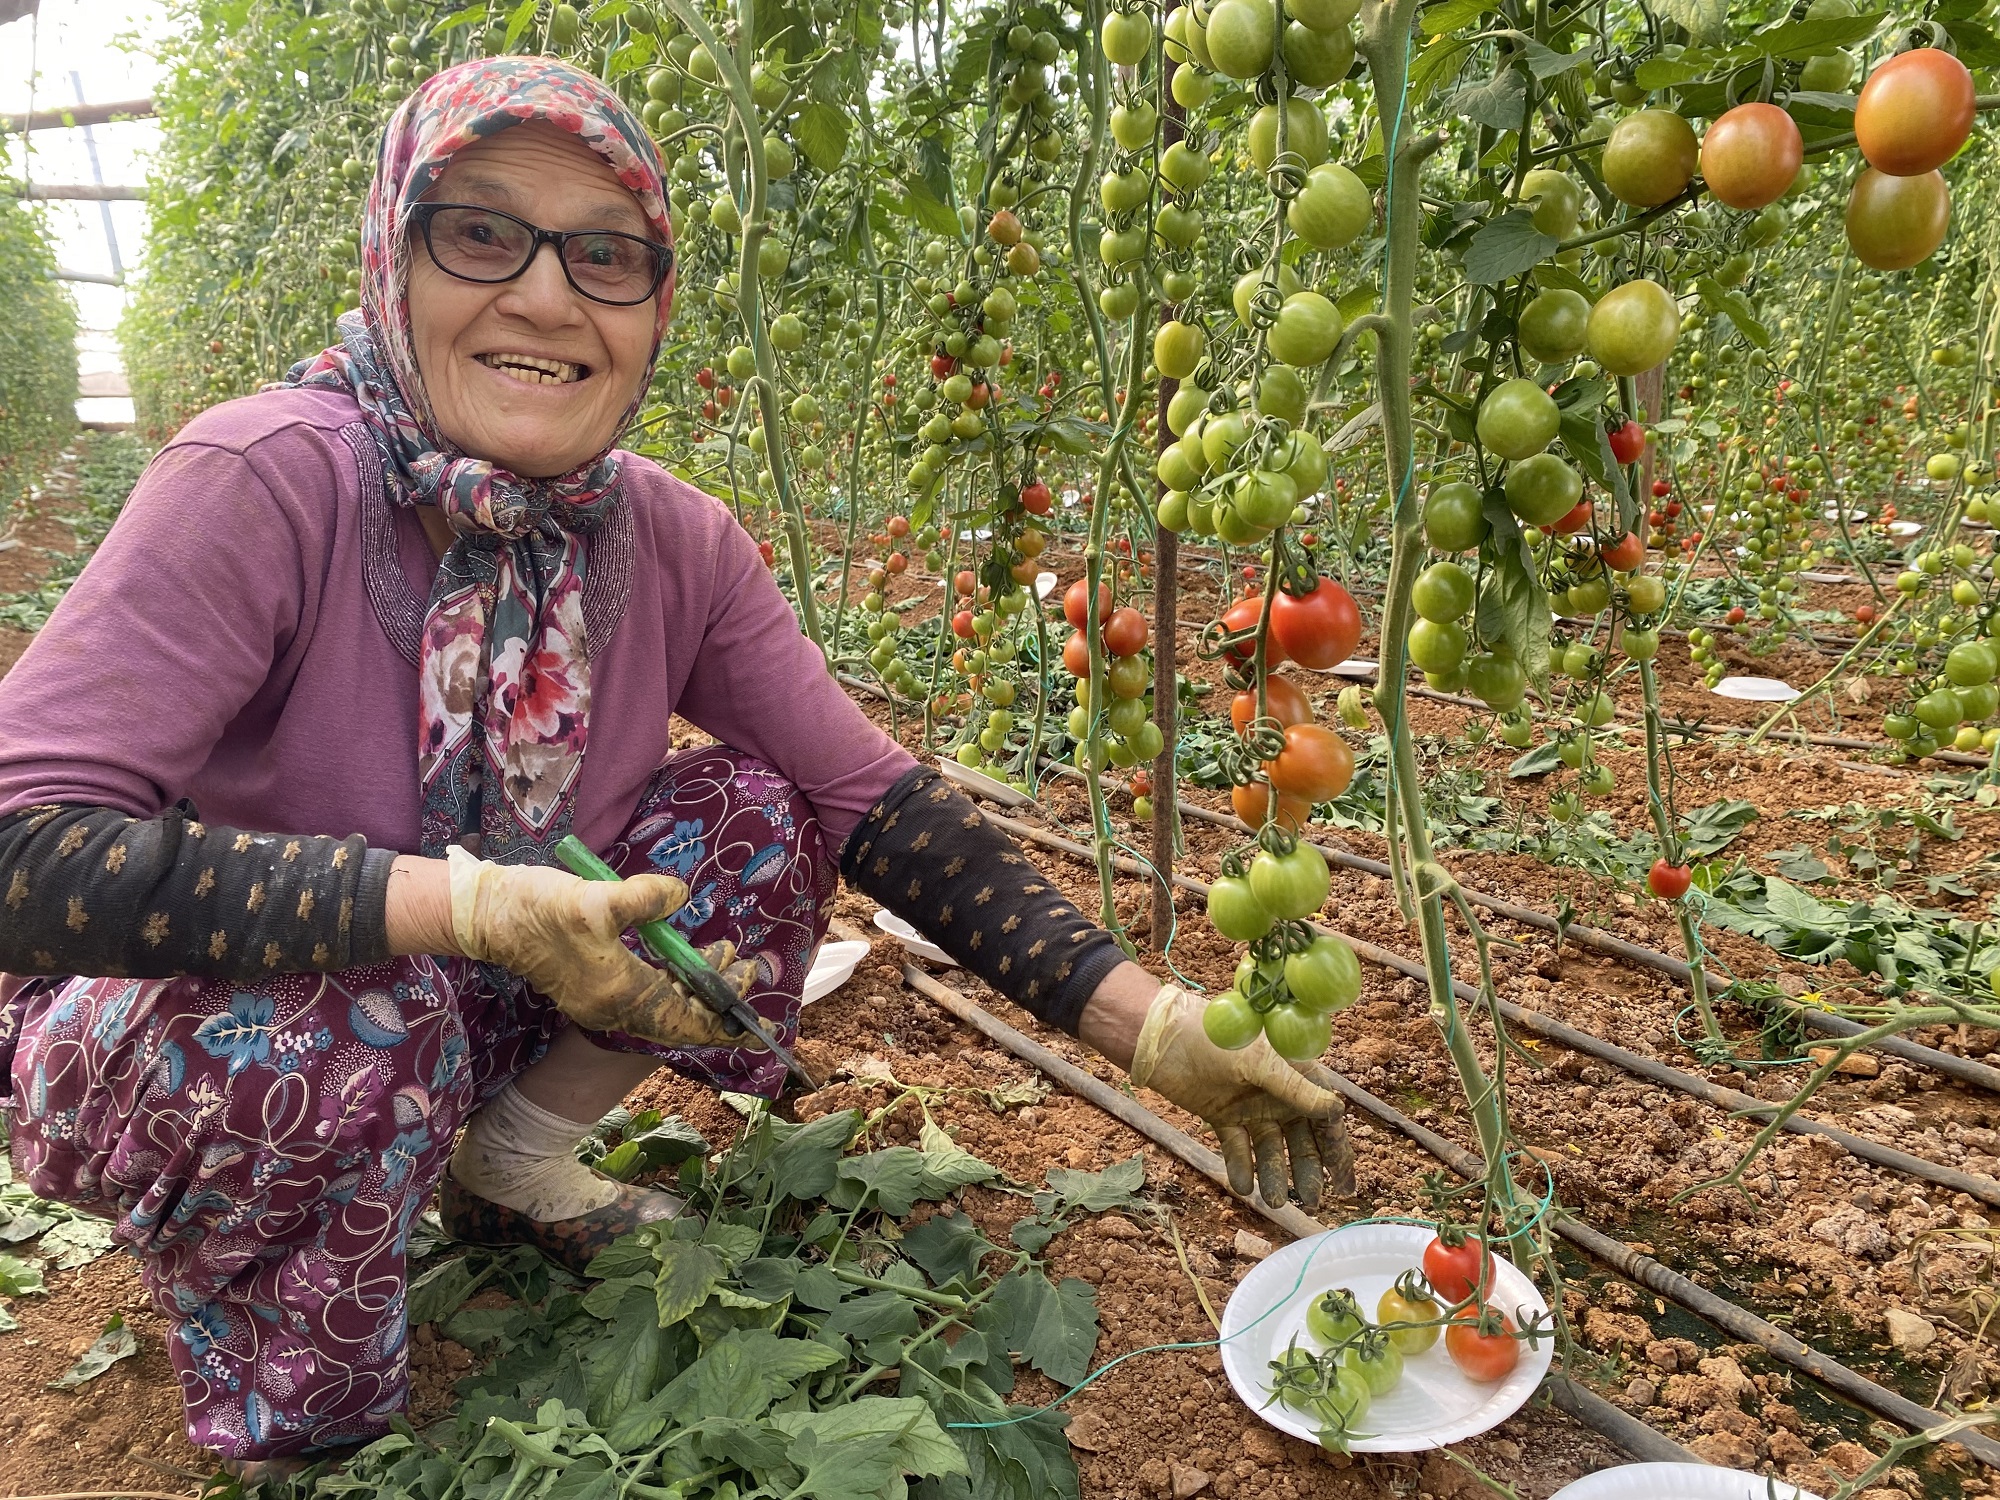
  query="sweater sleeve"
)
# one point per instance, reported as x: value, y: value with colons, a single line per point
x: 760, y: 685
x: 88, y: 890
x: 928, y: 854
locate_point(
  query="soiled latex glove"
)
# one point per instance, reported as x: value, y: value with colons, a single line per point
x: 1261, y: 1108
x: 561, y: 934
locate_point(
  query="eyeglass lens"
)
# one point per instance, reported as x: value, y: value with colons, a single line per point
x: 481, y: 245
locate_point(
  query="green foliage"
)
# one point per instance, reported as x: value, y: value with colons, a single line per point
x: 747, y: 1346
x: 37, y: 353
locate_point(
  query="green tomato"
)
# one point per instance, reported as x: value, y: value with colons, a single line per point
x: 1230, y: 1022
x: 1408, y: 1302
x: 1437, y: 647
x: 1939, y: 710
x: 1520, y: 733
x: 1899, y: 726
x: 1542, y: 489
x: 1297, y: 1034
x: 1646, y: 593
x: 1649, y: 157
x: 1500, y: 682
x: 1454, y: 519
x: 1634, y: 327
x: 1979, y: 701
x: 1290, y: 886
x: 1376, y: 1359
x: 1552, y: 327
x: 1334, y: 1317
x: 1307, y: 329
x: 1305, y: 131
x: 1235, y: 911
x: 1597, y: 710
x: 1443, y: 592
x: 1241, y: 37
x: 1326, y: 977
x: 1970, y: 663
x: 1557, y: 199
x: 1333, y: 210
x: 1518, y: 419
x: 1641, y: 645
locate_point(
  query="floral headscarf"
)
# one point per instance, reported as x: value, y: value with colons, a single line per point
x: 505, y: 696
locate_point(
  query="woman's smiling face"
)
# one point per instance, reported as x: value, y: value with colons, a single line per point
x: 529, y: 374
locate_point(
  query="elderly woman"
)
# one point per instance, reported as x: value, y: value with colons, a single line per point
x: 280, y: 780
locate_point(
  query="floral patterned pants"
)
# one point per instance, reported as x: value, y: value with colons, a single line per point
x: 264, y: 1149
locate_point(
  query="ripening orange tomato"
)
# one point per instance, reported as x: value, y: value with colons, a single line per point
x: 1287, y: 704
x: 1315, y: 764
x: 1251, y: 801
x: 1914, y: 112
x: 1751, y: 155
x: 1895, y: 222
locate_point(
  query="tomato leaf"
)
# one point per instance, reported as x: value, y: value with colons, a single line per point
x: 519, y: 20
x: 1053, y: 1328
x: 1539, y: 761
x: 1452, y: 14
x: 822, y: 133
x: 1506, y: 247
x: 1514, y: 607
x: 1500, y: 102
x: 440, y: 1291
x: 1736, y: 307
x: 1711, y: 829
x: 1797, y: 40
x: 115, y: 1343
x: 948, y: 1246
x: 688, y: 1273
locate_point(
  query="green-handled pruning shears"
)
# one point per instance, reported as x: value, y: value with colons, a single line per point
x: 687, y: 965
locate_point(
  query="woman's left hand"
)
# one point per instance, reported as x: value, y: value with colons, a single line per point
x: 1262, y: 1108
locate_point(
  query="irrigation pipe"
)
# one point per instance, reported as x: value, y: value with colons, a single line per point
x: 1635, y: 1437
x: 1985, y: 1189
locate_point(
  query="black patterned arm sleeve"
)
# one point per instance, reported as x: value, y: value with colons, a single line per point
x: 88, y: 890
x: 926, y: 853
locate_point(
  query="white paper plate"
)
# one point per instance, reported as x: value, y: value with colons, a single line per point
x: 1433, y: 1405
x: 1354, y: 666
x: 1832, y: 513
x: 913, y: 940
x: 979, y: 783
x: 1811, y: 577
x: 1044, y: 582
x: 1903, y: 530
x: 832, y: 967
x: 1678, y: 1482
x: 1755, y: 689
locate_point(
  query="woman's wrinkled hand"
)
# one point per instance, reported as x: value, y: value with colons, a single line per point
x: 563, y: 935
x: 1263, y: 1109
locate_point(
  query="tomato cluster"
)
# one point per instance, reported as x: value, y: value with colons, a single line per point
x: 1356, y: 1361
x: 1124, y: 734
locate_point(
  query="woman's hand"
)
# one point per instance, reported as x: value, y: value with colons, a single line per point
x: 1261, y: 1108
x: 562, y: 934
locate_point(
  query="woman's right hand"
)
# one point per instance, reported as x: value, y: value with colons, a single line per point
x: 563, y: 935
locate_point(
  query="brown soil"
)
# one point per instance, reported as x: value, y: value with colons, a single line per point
x: 1818, y: 1242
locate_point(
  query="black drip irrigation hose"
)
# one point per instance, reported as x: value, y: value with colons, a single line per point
x: 1984, y: 1189
x: 1634, y: 1436
x: 1642, y: 1442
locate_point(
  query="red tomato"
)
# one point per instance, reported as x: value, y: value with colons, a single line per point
x: 1319, y: 631
x: 1076, y: 601
x: 964, y: 583
x: 899, y: 526
x: 1314, y: 766
x: 1243, y: 615
x: 942, y: 366
x: 1142, y: 783
x: 1076, y: 654
x: 1456, y: 1271
x: 1125, y: 632
x: 769, y: 553
x: 1036, y: 498
x: 977, y: 397
x: 1668, y: 882
x: 1865, y: 615
x: 889, y: 380
x: 1250, y: 802
x: 705, y: 378
x: 1483, y: 1356
x: 1573, y: 520
x: 1661, y: 489
x: 1282, y: 697
x: 1628, y: 442
x: 1625, y: 554
x: 961, y: 624
x: 1737, y: 615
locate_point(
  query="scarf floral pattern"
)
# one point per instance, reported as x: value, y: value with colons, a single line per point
x: 504, y: 672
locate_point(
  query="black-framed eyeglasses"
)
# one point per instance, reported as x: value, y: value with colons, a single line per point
x: 485, y: 245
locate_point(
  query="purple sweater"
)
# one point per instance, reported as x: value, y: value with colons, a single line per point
x: 246, y: 637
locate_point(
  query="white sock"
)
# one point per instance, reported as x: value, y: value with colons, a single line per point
x: 518, y: 1154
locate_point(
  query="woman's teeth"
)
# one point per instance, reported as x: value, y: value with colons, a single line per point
x: 533, y: 369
